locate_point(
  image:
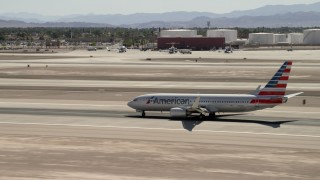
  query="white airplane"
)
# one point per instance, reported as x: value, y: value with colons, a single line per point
x: 185, y: 105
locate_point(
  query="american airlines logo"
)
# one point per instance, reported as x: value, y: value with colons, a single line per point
x: 150, y: 100
x: 178, y: 101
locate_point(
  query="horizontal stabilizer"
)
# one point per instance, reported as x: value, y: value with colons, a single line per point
x: 293, y: 95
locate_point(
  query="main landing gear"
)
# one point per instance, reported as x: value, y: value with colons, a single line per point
x: 143, y: 114
x: 212, y: 115
x: 202, y: 116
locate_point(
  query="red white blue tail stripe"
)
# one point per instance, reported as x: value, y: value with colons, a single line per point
x: 278, y: 84
x: 273, y: 93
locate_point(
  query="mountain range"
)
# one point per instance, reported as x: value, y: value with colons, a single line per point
x: 268, y: 16
x: 297, y: 19
x: 22, y: 24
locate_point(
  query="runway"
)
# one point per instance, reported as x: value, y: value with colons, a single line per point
x: 81, y: 128
x: 63, y: 131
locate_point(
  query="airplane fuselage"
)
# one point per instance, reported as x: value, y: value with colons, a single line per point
x: 183, y: 105
x: 211, y: 102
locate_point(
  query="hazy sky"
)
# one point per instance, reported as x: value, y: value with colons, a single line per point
x: 66, y: 7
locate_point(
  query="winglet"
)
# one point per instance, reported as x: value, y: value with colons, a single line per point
x: 196, y: 103
x: 293, y: 95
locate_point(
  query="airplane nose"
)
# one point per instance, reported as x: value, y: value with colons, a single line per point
x: 130, y: 104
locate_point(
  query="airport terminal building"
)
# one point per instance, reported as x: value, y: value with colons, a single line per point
x: 194, y: 43
x: 188, y: 39
x: 220, y: 38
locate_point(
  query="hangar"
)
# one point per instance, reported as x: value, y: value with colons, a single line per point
x: 194, y: 43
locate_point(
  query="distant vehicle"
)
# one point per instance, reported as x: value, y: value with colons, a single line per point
x: 184, y: 105
x: 185, y: 51
x: 122, y: 49
x: 91, y: 48
x: 228, y: 50
x: 173, y: 50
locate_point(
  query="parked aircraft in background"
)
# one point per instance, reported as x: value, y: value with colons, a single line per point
x: 184, y: 105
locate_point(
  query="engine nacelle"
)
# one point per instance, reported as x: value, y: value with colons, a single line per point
x: 178, y: 112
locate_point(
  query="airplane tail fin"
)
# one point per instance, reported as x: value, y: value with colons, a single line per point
x: 278, y: 84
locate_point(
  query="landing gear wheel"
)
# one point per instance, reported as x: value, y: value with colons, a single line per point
x: 143, y: 114
x: 212, y: 115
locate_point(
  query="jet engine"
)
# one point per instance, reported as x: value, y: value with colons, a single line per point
x: 178, y: 112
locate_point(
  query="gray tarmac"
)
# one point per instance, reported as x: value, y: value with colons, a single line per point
x: 70, y: 120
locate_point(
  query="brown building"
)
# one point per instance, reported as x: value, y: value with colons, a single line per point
x: 194, y: 43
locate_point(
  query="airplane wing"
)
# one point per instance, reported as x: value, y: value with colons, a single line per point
x: 195, y: 107
x: 293, y: 95
x: 196, y: 103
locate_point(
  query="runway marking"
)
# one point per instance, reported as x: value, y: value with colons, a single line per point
x: 163, y: 129
x: 299, y: 112
x: 24, y: 103
x: 106, y: 105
